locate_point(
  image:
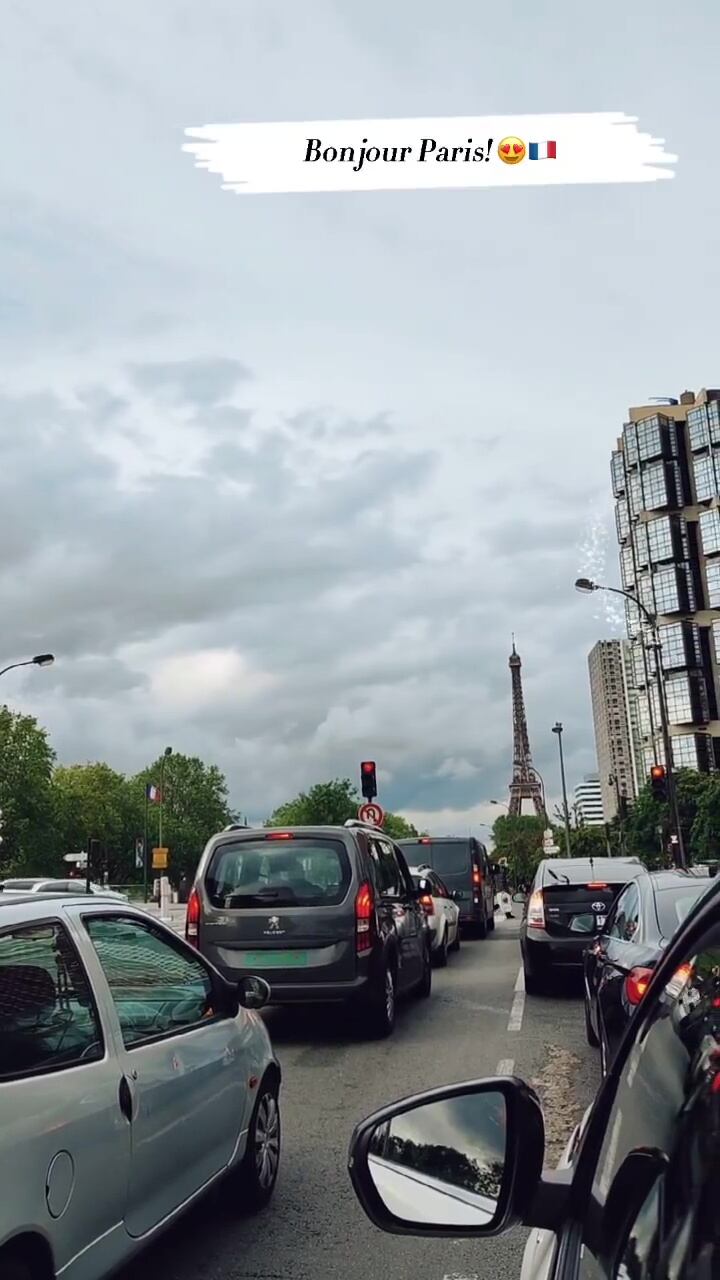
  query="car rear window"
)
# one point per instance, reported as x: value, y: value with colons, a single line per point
x: 448, y: 857
x: 19, y: 884
x: 673, y: 905
x: 288, y: 873
x: 602, y: 871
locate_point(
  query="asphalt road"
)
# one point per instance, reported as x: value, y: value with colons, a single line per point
x: 476, y: 1023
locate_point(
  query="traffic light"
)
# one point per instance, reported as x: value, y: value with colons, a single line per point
x: 658, y: 782
x: 368, y: 780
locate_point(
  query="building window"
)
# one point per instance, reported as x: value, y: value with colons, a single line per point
x: 627, y: 567
x: 673, y: 646
x: 660, y: 541
x: 667, y: 595
x: 710, y: 531
x: 622, y: 519
x: 712, y: 570
x: 685, y: 752
x: 716, y: 640
x: 713, y: 413
x: 649, y: 438
x: 705, y: 482
x: 655, y: 488
x: 642, y: 546
x: 679, y: 699
x: 698, y: 428
x: 630, y: 441
x: 617, y: 472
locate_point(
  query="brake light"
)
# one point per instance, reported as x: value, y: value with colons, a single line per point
x: 597, y: 884
x: 364, y: 918
x: 424, y: 840
x: 280, y: 835
x: 427, y: 904
x: 192, y: 918
x: 536, y: 910
x: 477, y: 876
x: 636, y: 984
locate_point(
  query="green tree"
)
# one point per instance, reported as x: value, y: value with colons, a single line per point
x: 519, y: 839
x: 195, y: 807
x: 330, y: 804
x: 93, y: 801
x: 586, y: 842
x: 26, y: 762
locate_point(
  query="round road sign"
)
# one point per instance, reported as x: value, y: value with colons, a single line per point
x: 372, y: 814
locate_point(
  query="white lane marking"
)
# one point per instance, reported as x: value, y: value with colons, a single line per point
x: 518, y: 1004
x: 505, y: 1067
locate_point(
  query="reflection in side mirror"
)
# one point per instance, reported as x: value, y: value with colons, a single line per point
x: 254, y: 993
x: 442, y: 1163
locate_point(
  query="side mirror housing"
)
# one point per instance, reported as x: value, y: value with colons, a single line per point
x: 479, y: 1181
x: 253, y: 992
x: 518, y: 897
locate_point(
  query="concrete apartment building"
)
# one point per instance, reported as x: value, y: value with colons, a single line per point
x: 666, y: 483
x: 588, y: 802
x: 616, y: 718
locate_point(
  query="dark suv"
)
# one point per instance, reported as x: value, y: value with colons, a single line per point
x: 463, y: 865
x: 323, y: 913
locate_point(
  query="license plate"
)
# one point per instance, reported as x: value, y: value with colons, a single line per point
x: 600, y: 921
x: 274, y: 959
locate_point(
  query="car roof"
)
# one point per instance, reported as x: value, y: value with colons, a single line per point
x: 22, y: 908
x: 676, y: 877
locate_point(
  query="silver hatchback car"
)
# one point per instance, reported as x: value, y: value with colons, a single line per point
x: 132, y: 1078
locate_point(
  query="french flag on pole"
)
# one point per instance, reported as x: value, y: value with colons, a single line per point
x: 542, y: 151
x: 154, y: 794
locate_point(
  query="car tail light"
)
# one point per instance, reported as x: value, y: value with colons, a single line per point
x: 424, y: 840
x: 477, y: 877
x: 192, y: 918
x: 427, y: 904
x: 597, y: 884
x: 536, y: 910
x: 364, y: 918
x: 280, y: 835
x: 637, y: 983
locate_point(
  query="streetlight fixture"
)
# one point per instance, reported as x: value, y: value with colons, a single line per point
x: 586, y: 586
x: 41, y: 660
x: 558, y: 729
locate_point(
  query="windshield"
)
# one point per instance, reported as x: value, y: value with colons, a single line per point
x: 264, y: 873
x: 673, y: 905
x: 20, y: 884
x: 448, y: 857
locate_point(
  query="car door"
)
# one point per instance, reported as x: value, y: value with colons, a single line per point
x: 447, y: 906
x: 621, y: 950
x: 401, y: 909
x: 64, y: 1141
x: 648, y: 1173
x: 182, y: 1058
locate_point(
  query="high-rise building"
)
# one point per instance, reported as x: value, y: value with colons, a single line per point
x: 588, y: 801
x: 666, y: 481
x: 615, y: 715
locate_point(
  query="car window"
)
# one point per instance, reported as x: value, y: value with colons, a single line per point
x: 48, y: 1019
x: 674, y: 904
x: 157, y: 987
x: 627, y: 915
x: 278, y: 873
x: 655, y: 1183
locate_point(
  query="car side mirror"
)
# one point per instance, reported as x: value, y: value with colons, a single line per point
x: 253, y: 992
x: 456, y: 895
x: 464, y: 1160
x: 518, y: 897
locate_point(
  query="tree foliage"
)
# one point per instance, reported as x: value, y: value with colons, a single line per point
x: 520, y: 841
x: 332, y: 804
x: 26, y: 764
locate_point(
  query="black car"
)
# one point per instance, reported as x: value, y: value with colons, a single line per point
x: 638, y: 1201
x: 567, y: 906
x: 463, y: 864
x: 325, y: 914
x: 620, y: 963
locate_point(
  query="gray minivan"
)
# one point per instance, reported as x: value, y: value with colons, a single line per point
x: 323, y: 913
x: 462, y: 863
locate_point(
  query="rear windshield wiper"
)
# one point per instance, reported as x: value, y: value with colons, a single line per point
x: 560, y: 879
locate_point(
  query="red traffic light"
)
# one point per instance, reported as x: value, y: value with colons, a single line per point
x: 368, y: 766
x: 368, y: 779
x: 657, y: 771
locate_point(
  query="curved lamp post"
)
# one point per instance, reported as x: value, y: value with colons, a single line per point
x: 586, y: 586
x: 41, y: 660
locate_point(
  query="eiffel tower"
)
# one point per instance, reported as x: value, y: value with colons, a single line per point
x: 526, y: 784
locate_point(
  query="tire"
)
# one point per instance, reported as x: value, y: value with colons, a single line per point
x: 590, y: 1034
x: 482, y: 926
x: 456, y: 944
x: 491, y: 923
x: 534, y: 985
x: 425, y: 986
x: 381, y: 1011
x: 257, y: 1175
x: 13, y: 1267
x: 440, y: 955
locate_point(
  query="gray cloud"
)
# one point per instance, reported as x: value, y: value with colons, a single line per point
x: 202, y: 382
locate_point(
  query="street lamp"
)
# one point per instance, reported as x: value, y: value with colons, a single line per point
x: 41, y: 660
x: 558, y: 729
x: 586, y: 585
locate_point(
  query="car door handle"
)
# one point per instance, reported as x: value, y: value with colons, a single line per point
x: 125, y: 1099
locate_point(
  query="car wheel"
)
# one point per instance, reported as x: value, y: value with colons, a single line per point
x: 13, y: 1268
x: 425, y: 987
x: 456, y: 944
x: 482, y: 926
x: 534, y: 985
x: 491, y: 923
x: 590, y: 1034
x: 381, y: 1011
x: 258, y: 1172
x: 440, y: 954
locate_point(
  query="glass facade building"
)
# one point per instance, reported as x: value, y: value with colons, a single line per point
x: 665, y: 476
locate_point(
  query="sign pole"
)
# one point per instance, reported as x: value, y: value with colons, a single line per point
x: 145, y: 849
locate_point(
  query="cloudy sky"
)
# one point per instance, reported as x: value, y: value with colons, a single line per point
x: 281, y: 474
